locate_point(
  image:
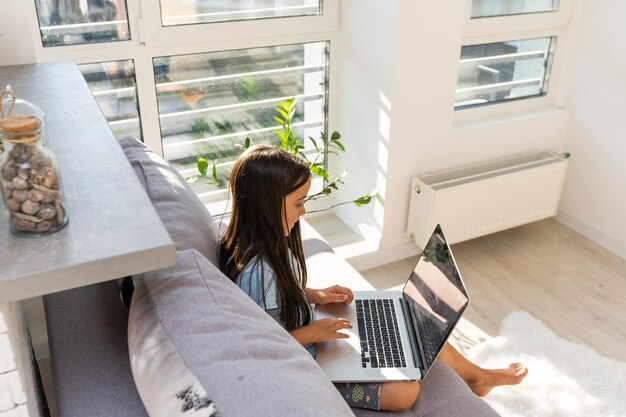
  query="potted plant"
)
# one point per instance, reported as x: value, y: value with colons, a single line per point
x: 324, y: 146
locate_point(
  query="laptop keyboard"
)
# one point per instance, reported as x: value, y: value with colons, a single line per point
x: 381, y: 346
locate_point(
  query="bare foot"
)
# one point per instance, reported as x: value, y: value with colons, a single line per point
x: 491, y: 378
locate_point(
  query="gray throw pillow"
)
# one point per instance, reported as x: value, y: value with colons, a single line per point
x: 184, y: 216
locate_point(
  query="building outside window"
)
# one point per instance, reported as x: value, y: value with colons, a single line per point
x: 496, y: 72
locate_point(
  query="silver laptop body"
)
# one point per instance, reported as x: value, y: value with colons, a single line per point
x: 422, y: 316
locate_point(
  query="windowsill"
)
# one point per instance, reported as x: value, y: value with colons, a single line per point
x: 359, y: 251
x: 346, y: 242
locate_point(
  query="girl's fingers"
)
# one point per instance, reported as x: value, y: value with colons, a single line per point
x: 340, y: 297
x: 343, y: 294
x: 343, y: 324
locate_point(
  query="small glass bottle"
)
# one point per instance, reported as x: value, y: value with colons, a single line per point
x: 30, y: 181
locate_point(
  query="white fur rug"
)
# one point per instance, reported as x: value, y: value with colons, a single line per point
x: 565, y: 379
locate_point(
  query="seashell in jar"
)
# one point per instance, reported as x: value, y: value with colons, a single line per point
x: 50, y: 181
x: 19, y: 183
x: 36, y: 195
x: 13, y: 204
x: 9, y: 172
x: 24, y: 171
x: 20, y: 195
x: 47, y: 212
x: 60, y: 212
x: 37, y: 176
x: 23, y: 224
x: 7, y: 186
x: 40, y: 160
x: 30, y: 207
x: 44, y: 226
x: 23, y: 158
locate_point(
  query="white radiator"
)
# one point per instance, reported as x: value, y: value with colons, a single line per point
x: 480, y: 199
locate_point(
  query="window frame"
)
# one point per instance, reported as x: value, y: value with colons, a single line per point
x: 151, y: 32
x: 517, y: 27
x: 484, y: 26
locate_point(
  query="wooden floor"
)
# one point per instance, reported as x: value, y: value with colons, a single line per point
x: 573, y: 285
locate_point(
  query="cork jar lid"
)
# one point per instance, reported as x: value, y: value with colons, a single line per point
x: 19, y: 124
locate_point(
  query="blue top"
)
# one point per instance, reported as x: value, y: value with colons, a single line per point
x: 259, y: 281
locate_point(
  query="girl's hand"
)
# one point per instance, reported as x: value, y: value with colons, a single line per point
x: 321, y: 330
x: 333, y: 294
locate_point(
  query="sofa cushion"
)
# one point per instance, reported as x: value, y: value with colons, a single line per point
x: 184, y: 216
x: 247, y: 364
x: 86, y: 329
x: 153, y: 356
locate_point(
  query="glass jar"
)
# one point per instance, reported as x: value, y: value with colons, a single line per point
x: 31, y: 186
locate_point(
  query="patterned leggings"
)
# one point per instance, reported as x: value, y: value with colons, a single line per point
x: 361, y: 395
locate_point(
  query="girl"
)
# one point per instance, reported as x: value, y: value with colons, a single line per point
x: 261, y: 251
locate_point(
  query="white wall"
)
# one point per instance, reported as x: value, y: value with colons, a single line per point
x: 594, y: 201
x: 423, y: 135
x: 16, y: 45
x: 365, y: 73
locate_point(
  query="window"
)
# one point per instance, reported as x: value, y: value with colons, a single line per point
x: 113, y: 86
x: 206, y: 101
x: 79, y: 22
x: 183, y: 12
x: 500, y: 71
x: 490, y: 8
x: 508, y: 53
x: 210, y: 103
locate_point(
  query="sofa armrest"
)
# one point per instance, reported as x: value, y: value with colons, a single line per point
x: 325, y: 267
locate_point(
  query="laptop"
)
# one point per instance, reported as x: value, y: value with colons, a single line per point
x: 397, y: 335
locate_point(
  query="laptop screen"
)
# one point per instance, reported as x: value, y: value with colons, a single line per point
x: 435, y: 295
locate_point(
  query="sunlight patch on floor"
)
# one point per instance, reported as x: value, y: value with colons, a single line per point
x: 466, y: 335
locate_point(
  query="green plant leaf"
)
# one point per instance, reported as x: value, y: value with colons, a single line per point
x: 282, y: 113
x: 214, y: 174
x: 319, y: 171
x: 246, y: 144
x: 286, y: 105
x: 314, y: 142
x: 280, y: 122
x: 280, y: 134
x: 339, y: 145
x: 335, y: 136
x: 366, y: 199
x: 203, y: 165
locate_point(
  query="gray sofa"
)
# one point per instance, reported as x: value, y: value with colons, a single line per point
x: 87, y: 328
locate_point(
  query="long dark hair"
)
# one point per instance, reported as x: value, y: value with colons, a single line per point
x: 261, y: 178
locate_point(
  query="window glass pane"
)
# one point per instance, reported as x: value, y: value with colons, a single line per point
x: 502, y: 71
x: 184, y: 12
x: 210, y: 103
x: 113, y: 86
x: 489, y: 8
x: 71, y: 22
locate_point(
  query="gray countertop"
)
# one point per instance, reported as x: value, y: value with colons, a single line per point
x: 113, y: 229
